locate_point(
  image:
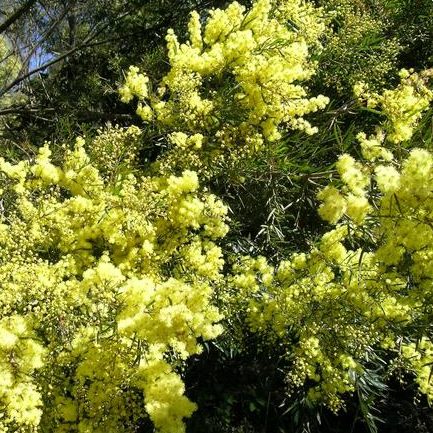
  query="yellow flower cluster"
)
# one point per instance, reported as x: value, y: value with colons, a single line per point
x: 136, y: 85
x: 114, y: 150
x: 164, y: 390
x: 403, y: 106
x: 419, y: 356
x: 372, y: 147
x: 351, y: 199
x: 235, y: 84
x: 20, y: 355
x: 305, y: 299
x: 358, y: 46
x: 107, y: 282
x: 304, y: 17
x: 340, y: 300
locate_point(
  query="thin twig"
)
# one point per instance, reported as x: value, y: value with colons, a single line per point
x: 85, y: 44
x: 16, y: 15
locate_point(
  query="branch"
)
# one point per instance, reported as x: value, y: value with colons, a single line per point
x: 23, y: 110
x: 39, y: 69
x: 85, y: 44
x: 43, y: 39
x: 82, y: 115
x: 88, y: 115
x: 16, y: 15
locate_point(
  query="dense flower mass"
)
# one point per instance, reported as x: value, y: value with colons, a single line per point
x: 105, y: 283
x: 402, y: 106
x: 113, y: 268
x: 235, y: 84
x: 338, y: 301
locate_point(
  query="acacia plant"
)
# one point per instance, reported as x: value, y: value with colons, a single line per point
x: 112, y: 273
x: 366, y: 286
x: 125, y: 271
x: 233, y: 86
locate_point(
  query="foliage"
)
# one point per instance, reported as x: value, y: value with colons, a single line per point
x: 360, y: 46
x: 9, y: 63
